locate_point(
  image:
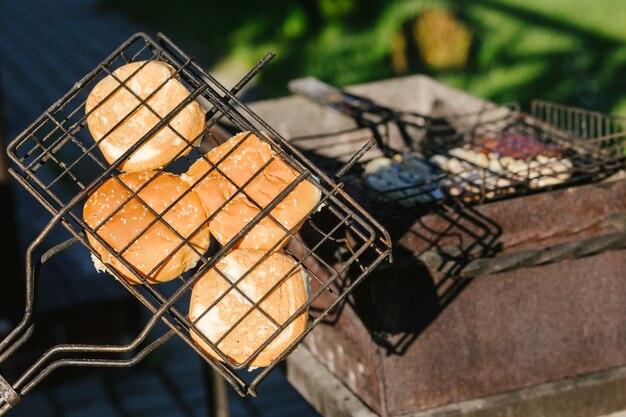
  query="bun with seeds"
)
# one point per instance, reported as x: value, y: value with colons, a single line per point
x: 143, y: 79
x: 240, y: 166
x: 255, y: 328
x: 154, y: 243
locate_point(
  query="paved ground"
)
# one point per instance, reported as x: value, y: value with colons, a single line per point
x: 45, y: 46
x: 170, y: 384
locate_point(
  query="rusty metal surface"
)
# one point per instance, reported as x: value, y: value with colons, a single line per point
x: 518, y: 224
x: 502, y: 332
x: 347, y: 350
x: 599, y: 394
x: 516, y: 329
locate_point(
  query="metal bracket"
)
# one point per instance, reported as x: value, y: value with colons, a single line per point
x: 8, y: 394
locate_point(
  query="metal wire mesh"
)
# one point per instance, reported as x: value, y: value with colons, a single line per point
x: 439, y: 160
x: 337, y: 243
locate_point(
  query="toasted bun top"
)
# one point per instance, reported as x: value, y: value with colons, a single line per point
x: 132, y: 221
x: 213, y: 322
x: 103, y: 114
x: 244, y: 164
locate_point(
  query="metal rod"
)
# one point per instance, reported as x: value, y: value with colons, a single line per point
x: 217, y: 396
x: 121, y: 363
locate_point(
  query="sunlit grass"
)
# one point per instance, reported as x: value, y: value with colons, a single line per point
x: 602, y: 17
x: 569, y: 51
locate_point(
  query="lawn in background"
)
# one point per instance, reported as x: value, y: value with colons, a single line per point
x: 567, y: 51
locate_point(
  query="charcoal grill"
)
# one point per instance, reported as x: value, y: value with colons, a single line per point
x: 586, y: 147
x: 486, y: 298
x: 57, y: 161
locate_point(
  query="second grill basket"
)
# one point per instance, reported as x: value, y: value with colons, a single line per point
x: 448, y: 157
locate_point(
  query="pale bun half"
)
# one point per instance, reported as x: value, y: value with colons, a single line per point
x: 255, y: 329
x: 158, y: 242
x: 238, y: 168
x: 162, y: 147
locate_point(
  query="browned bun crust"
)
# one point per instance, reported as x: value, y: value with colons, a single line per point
x: 158, y: 242
x: 239, y: 167
x: 162, y: 147
x: 255, y: 328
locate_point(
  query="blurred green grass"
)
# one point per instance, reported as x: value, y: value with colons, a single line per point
x: 568, y: 51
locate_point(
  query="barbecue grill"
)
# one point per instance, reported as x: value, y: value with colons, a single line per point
x: 487, y: 295
x: 57, y: 161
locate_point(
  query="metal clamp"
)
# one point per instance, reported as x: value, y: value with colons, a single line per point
x: 8, y: 394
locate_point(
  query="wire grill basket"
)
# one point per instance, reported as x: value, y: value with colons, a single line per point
x: 443, y: 159
x: 60, y: 164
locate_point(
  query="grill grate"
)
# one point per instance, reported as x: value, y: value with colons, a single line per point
x: 425, y: 162
x: 59, y: 163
